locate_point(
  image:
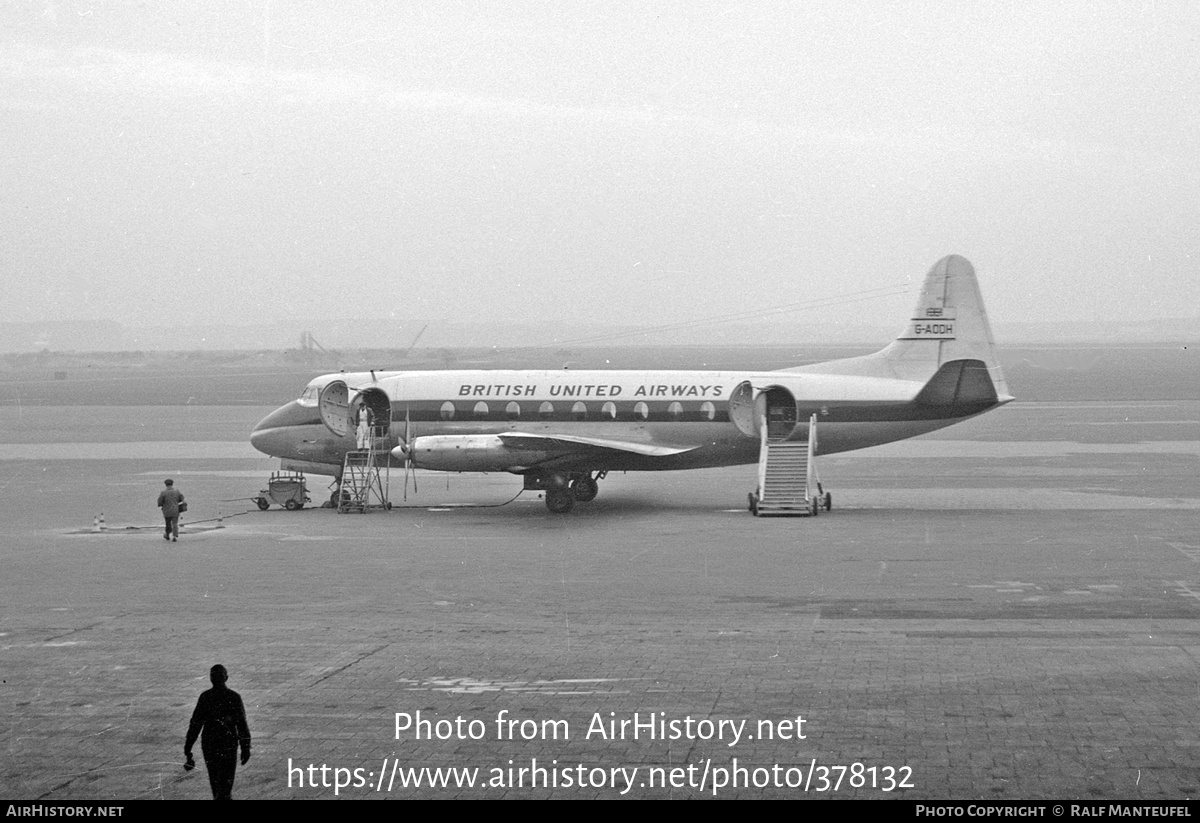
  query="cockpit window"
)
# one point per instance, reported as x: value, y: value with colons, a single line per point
x: 311, y: 395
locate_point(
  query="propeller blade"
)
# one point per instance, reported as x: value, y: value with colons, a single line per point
x: 408, y: 455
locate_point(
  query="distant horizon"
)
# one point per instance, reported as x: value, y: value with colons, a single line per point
x: 113, y: 337
x: 73, y: 339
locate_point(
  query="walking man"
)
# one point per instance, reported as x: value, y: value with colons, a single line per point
x: 221, y: 717
x: 169, y: 500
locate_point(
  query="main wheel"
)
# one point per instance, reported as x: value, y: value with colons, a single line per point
x: 559, y: 501
x: 262, y: 503
x: 585, y: 489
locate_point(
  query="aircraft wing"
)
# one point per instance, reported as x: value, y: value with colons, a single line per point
x: 568, y: 442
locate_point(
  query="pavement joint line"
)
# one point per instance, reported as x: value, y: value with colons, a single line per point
x: 1192, y: 553
x: 87, y: 628
x: 1186, y: 590
x: 340, y: 669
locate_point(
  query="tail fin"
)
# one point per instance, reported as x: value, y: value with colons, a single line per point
x: 948, y: 325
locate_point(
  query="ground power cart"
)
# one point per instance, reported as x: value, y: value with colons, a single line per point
x: 286, y: 489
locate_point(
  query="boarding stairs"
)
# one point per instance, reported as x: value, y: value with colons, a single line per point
x: 788, y: 484
x: 364, y: 480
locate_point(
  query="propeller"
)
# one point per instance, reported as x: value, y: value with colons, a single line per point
x: 408, y: 456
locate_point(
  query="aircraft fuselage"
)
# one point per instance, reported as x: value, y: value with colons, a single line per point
x: 677, y: 409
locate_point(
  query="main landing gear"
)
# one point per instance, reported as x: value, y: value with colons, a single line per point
x: 585, y: 489
x: 563, y: 490
x: 559, y: 501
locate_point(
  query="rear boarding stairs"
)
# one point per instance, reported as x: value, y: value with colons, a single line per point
x: 788, y: 484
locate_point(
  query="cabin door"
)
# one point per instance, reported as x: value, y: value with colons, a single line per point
x: 334, y: 405
x: 773, y: 406
x: 777, y: 407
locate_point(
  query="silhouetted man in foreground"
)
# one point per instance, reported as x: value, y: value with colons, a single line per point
x: 222, y: 718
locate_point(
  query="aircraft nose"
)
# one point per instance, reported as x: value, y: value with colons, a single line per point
x: 271, y: 434
x: 264, y: 439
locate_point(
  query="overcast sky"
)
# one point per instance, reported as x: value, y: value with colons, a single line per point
x: 183, y: 162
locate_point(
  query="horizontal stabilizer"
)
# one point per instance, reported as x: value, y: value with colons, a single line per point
x: 960, y: 383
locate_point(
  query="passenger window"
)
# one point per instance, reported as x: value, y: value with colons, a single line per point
x: 447, y: 412
x: 546, y: 410
x: 579, y: 410
x: 641, y: 411
x: 513, y: 410
x: 708, y: 410
x: 481, y: 409
x: 675, y: 410
x: 609, y: 411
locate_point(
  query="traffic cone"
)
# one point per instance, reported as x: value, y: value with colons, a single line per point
x: 103, y: 525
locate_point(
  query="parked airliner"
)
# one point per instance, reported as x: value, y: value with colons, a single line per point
x: 563, y: 431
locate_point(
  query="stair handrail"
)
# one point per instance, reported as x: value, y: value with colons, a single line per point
x: 762, y: 455
x: 811, y: 480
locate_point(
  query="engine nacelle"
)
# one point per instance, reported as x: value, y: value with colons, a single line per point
x: 468, y: 453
